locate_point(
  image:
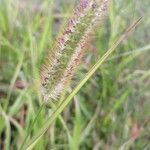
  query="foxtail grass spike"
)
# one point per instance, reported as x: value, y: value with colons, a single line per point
x: 69, y: 48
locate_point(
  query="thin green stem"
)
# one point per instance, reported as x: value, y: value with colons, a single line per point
x: 59, y: 109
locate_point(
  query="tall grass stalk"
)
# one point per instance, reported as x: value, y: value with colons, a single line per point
x: 33, y: 141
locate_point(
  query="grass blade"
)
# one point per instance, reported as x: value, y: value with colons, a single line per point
x: 29, y: 145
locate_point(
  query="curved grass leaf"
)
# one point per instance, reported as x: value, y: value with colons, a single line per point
x: 30, y: 144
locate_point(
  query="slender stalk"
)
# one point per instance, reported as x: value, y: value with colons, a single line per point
x: 60, y: 108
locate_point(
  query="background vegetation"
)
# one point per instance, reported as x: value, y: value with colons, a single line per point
x: 110, y: 112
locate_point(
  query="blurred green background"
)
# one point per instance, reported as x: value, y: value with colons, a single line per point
x: 111, y: 112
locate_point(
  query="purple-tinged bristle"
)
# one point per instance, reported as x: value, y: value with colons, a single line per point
x: 82, y: 6
x: 104, y: 6
x: 61, y: 64
x: 84, y: 3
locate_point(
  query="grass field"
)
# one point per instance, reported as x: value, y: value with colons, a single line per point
x: 110, y: 112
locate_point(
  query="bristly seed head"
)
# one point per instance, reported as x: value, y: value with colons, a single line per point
x: 70, y: 46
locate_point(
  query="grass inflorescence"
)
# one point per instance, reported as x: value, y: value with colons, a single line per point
x: 69, y: 49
